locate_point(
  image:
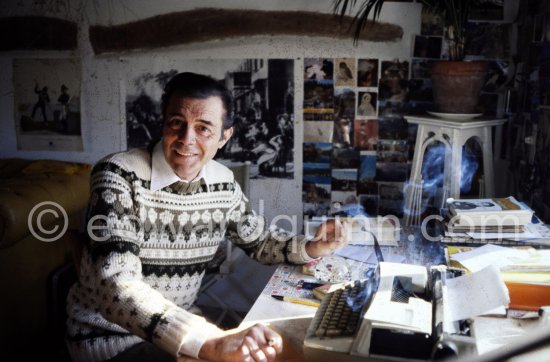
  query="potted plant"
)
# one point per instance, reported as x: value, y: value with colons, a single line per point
x: 456, y: 83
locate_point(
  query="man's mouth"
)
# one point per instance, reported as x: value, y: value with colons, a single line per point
x: 185, y: 154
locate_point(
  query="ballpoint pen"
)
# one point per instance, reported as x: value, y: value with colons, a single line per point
x: 311, y: 303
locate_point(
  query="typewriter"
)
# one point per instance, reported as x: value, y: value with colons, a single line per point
x: 396, y: 313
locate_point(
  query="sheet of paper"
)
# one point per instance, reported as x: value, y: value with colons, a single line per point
x: 474, y: 294
x: 356, y: 252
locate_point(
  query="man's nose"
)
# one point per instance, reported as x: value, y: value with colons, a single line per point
x: 187, y: 135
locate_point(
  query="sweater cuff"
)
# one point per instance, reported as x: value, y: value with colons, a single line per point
x: 298, y: 254
x: 192, y: 343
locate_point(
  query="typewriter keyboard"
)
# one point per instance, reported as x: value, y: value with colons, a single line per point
x: 340, y: 311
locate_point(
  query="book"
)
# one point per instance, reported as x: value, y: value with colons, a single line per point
x: 488, y: 212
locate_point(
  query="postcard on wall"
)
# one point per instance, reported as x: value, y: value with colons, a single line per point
x: 318, y: 69
x: 393, y: 81
x: 344, y: 74
x: 47, y: 104
x: 431, y: 22
x: 263, y: 92
x: 367, y: 102
x: 317, y: 152
x: 367, y: 72
x: 427, y: 46
x: 319, y: 131
x: 344, y: 179
x: 366, y: 134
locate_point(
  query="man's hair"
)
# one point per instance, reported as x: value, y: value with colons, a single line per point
x: 193, y: 85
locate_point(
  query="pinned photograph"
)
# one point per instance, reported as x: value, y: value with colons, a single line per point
x: 343, y: 132
x: 343, y: 200
x: 344, y: 179
x: 47, y: 104
x: 366, y: 134
x: 427, y: 46
x: 394, y: 81
x: 344, y: 74
x: 317, y: 152
x: 392, y: 128
x: 367, y: 104
x: 367, y: 171
x: 318, y: 131
x: 392, y: 171
x: 345, y: 158
x: 318, y: 94
x: 391, y: 198
x: 318, y: 68
x: 317, y: 173
x: 315, y: 193
x: 431, y: 22
x: 367, y: 73
x: 344, y: 102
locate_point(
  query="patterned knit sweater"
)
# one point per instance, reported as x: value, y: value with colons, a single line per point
x: 141, y: 271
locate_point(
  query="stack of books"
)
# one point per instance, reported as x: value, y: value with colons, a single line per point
x: 503, y: 221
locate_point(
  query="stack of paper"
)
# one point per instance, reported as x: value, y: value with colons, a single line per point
x: 526, y: 271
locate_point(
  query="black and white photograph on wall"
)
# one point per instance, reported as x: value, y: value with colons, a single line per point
x: 393, y: 81
x: 345, y: 158
x: 318, y: 68
x: 367, y: 102
x: 487, y: 10
x: 427, y: 46
x: 488, y: 40
x: 366, y: 134
x: 317, y: 152
x: 420, y: 69
x: 367, y: 72
x: 431, y: 22
x: 318, y: 131
x: 344, y: 72
x: 344, y: 179
x: 47, y: 104
x: 262, y: 90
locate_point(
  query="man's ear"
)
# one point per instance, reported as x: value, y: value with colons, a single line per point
x: 226, y: 135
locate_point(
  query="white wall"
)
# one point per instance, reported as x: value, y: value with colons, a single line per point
x: 102, y: 106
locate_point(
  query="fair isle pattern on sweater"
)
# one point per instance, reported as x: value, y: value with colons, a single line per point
x: 142, y: 272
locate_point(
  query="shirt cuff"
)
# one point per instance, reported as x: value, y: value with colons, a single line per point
x: 194, y: 340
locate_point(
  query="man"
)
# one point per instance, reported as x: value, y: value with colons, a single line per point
x: 156, y: 217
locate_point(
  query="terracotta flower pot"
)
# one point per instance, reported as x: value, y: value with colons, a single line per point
x: 457, y: 84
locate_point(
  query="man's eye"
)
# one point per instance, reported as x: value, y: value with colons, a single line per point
x: 175, y: 124
x: 203, y: 129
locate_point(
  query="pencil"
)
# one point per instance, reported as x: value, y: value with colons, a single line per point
x: 311, y: 303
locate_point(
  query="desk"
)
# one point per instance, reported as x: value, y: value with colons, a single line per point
x: 292, y: 320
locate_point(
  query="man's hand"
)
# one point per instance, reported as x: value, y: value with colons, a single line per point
x: 257, y: 343
x: 332, y: 235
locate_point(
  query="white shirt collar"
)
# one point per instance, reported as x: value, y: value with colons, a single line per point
x: 162, y: 174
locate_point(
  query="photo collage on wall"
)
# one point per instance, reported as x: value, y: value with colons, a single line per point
x: 356, y: 152
x: 488, y: 37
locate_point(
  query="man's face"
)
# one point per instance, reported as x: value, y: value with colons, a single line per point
x: 192, y: 133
